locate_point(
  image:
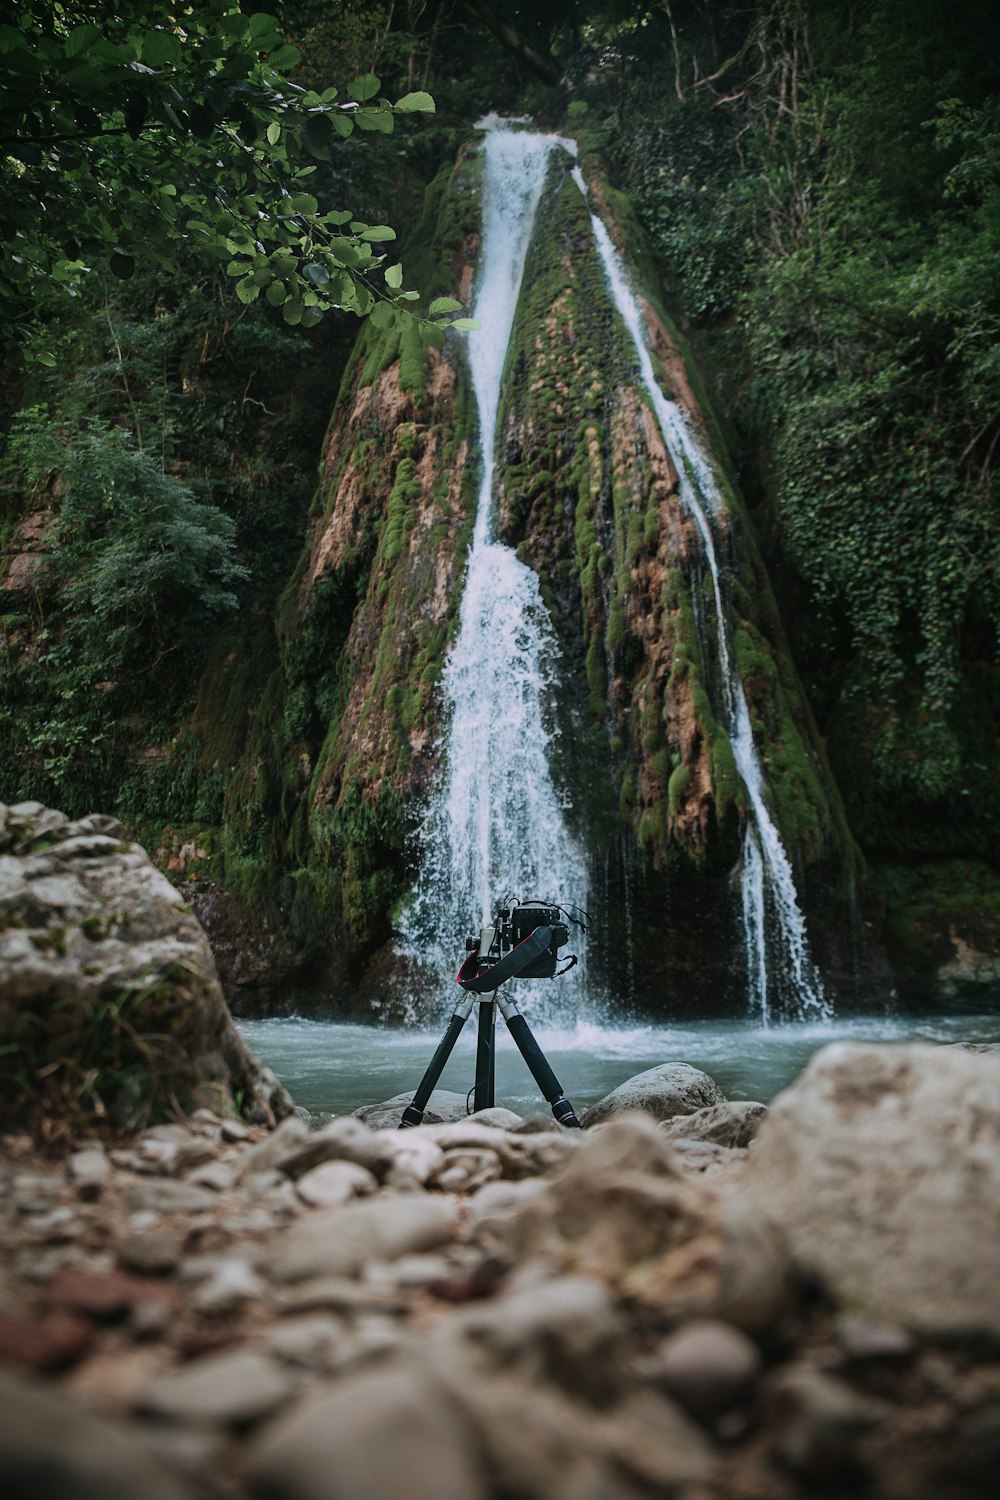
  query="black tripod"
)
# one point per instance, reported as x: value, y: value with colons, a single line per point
x: 482, y: 986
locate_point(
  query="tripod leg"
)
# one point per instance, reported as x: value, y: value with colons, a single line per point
x: 486, y: 1056
x: 414, y: 1112
x: 540, y: 1071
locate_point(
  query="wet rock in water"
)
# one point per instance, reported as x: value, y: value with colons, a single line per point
x: 340, y: 1242
x: 733, y: 1123
x: 50, y: 1448
x: 881, y: 1166
x: 663, y: 1092
x: 90, y: 925
x: 385, y: 1433
x: 709, y: 1366
x: 443, y: 1105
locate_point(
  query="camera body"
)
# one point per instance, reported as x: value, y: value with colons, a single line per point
x: 511, y: 925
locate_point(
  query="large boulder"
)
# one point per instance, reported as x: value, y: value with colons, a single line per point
x: 881, y: 1166
x: 663, y: 1092
x: 110, y: 1007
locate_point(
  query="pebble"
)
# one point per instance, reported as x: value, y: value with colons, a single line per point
x: 334, y: 1183
x: 89, y: 1171
x: 341, y: 1241
x: 817, y: 1421
x: 385, y: 1434
x: 168, y: 1196
x: 709, y: 1366
x: 222, y: 1390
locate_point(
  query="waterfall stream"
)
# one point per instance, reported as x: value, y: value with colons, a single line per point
x: 767, y: 886
x: 495, y: 827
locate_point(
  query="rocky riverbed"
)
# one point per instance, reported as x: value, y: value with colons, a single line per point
x: 724, y: 1303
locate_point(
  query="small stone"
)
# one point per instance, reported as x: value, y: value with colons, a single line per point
x: 817, y: 1420
x: 49, y: 1447
x: 863, y: 1339
x: 385, y: 1433
x: 89, y: 1170
x: 466, y: 1170
x: 221, y: 1390
x: 105, y: 1298
x: 733, y: 1123
x: 152, y: 1254
x: 343, y: 1240
x: 235, y: 1131
x: 215, y: 1176
x: 668, y: 1090
x: 234, y: 1281
x: 334, y: 1183
x: 500, y: 1118
x: 340, y: 1294
x: 167, y: 1196
x: 44, y: 1344
x: 709, y: 1366
x: 316, y: 1341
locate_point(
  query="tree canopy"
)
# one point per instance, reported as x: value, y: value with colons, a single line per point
x: 130, y: 134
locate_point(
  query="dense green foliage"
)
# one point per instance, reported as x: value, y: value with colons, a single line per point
x: 130, y: 134
x: 820, y: 187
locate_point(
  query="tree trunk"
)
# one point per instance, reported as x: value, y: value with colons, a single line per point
x: 542, y: 64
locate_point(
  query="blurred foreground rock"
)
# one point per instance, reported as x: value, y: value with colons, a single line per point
x: 218, y: 1311
x: 110, y: 1008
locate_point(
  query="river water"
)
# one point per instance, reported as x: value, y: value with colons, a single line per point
x: 332, y: 1068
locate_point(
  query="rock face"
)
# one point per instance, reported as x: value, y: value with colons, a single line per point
x: 551, y: 1315
x: 881, y: 1166
x: 663, y: 1092
x: 108, y: 991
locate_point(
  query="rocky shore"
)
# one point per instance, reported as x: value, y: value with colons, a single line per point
x: 729, y: 1302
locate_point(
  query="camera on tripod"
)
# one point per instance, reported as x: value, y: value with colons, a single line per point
x: 511, y: 925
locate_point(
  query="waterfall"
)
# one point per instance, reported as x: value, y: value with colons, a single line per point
x: 767, y: 885
x: 495, y: 826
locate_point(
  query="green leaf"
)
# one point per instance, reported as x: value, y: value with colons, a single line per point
x: 80, y: 39
x: 443, y: 305
x: 413, y: 103
x: 318, y: 275
x: 365, y: 87
x: 284, y: 58
x: 273, y: 133
x: 159, y: 47
x: 374, y: 119
x: 377, y: 233
x: 293, y: 310
x: 247, y: 290
x: 382, y: 316
x: 394, y: 277
x: 342, y: 124
x: 277, y: 293
x: 468, y: 325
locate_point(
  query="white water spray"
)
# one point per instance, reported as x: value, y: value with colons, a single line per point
x: 766, y: 880
x: 496, y: 827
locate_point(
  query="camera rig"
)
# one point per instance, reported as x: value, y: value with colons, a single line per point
x: 522, y: 942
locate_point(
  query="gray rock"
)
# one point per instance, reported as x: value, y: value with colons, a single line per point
x: 314, y: 1341
x: 709, y: 1366
x: 663, y: 1092
x: 89, y: 1170
x: 385, y: 1434
x: 334, y: 1183
x: 442, y: 1105
x: 151, y: 1252
x: 51, y: 1450
x: 164, y: 1195
x: 89, y: 920
x: 222, y: 1390
x: 733, y: 1124
x: 817, y: 1421
x: 503, y: 1119
x: 881, y: 1166
x: 341, y: 1242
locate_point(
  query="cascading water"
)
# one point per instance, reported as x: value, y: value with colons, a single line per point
x: 496, y: 827
x: 767, y: 885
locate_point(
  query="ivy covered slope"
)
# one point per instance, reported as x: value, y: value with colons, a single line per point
x: 327, y: 755
x: 588, y: 495
x: 821, y: 188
